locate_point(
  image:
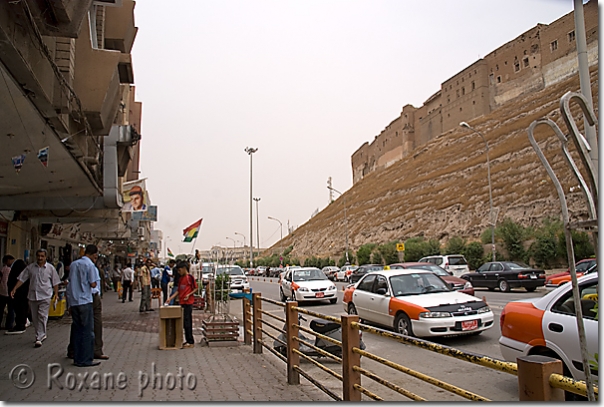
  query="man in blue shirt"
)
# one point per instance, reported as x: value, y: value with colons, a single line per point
x: 155, y: 277
x: 83, y: 277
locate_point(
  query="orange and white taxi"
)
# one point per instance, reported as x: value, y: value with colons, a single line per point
x: 548, y: 326
x: 416, y: 302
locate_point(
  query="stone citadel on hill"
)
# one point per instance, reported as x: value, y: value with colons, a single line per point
x: 538, y: 58
x: 438, y: 188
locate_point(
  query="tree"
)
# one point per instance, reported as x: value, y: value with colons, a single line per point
x: 513, y: 235
x: 455, y: 245
x: 474, y: 254
x: 388, y: 253
x: 417, y: 247
x: 364, y: 253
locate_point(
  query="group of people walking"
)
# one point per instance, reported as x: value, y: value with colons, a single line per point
x: 32, y: 289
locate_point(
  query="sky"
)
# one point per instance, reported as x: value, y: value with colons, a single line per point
x: 305, y: 82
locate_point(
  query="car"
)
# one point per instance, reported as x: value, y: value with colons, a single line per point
x: 362, y: 270
x: 548, y: 326
x: 506, y: 275
x: 307, y: 284
x: 239, y: 281
x: 345, y: 272
x: 455, y: 263
x: 416, y: 302
x: 260, y: 271
x: 330, y: 272
x: 207, y: 270
x: 456, y: 283
x: 582, y: 267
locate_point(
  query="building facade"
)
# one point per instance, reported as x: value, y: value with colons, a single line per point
x: 540, y: 57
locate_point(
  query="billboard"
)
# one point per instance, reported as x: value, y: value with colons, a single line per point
x: 135, y: 196
x: 150, y: 215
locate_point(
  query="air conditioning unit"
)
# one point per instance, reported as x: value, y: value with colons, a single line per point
x: 141, y: 231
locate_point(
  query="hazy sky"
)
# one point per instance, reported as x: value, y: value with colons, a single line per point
x: 305, y: 82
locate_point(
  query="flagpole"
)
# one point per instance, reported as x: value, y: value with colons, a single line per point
x: 194, y: 241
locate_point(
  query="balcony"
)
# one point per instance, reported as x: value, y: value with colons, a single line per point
x: 57, y: 18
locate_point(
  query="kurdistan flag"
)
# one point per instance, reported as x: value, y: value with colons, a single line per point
x: 170, y: 254
x: 190, y: 233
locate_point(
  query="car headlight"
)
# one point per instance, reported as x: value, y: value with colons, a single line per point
x: 331, y: 288
x: 483, y: 310
x: 305, y: 289
x: 467, y: 285
x: 434, y: 314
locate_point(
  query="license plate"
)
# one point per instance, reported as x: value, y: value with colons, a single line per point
x: 533, y: 276
x: 320, y: 295
x: 469, y: 325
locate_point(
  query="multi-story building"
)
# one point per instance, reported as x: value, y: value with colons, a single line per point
x: 539, y: 57
x: 70, y: 125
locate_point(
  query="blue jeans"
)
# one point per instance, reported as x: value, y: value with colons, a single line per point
x: 82, y: 328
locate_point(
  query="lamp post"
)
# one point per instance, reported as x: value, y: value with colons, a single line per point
x: 230, y: 238
x: 257, y: 225
x: 241, y: 234
x: 491, y: 220
x: 345, y: 219
x: 280, y: 241
x: 251, y: 151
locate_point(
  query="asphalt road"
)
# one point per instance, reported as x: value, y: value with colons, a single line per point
x: 480, y: 380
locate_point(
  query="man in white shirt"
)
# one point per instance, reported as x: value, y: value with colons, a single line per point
x: 127, y: 281
x: 43, y: 280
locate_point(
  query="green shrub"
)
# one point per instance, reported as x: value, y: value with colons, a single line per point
x: 388, y: 253
x: 474, y: 254
x: 364, y: 253
x: 417, y: 247
x: 513, y: 235
x: 455, y: 245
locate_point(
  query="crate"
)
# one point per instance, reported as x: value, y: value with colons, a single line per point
x: 170, y: 327
x: 59, y: 310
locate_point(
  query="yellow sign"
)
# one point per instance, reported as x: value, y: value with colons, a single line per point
x: 400, y: 247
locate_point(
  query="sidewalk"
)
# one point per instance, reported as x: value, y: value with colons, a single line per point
x: 137, y: 368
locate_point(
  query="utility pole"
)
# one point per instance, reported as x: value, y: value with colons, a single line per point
x: 251, y: 151
x: 257, y: 225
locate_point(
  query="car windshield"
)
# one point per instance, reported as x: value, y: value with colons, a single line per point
x: 230, y: 270
x: 417, y: 283
x: 439, y: 271
x: 206, y: 269
x: 516, y: 265
x: 308, y: 275
x: 457, y: 261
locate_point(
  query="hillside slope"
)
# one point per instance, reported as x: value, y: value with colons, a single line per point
x: 442, y: 190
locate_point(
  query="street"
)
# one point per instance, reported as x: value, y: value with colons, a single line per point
x: 480, y: 380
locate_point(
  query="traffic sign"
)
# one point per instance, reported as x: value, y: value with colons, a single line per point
x: 400, y: 247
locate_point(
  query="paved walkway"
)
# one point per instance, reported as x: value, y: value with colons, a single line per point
x: 137, y: 370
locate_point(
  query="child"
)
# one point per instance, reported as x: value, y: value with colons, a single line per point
x: 186, y: 287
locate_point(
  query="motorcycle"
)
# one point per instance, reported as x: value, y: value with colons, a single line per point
x: 321, y: 326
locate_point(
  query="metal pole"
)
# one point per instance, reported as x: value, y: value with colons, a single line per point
x: 251, y: 151
x: 230, y: 238
x: 345, y: 219
x: 257, y: 225
x: 491, y: 220
x: 241, y: 234
x: 281, y: 241
x: 585, y: 81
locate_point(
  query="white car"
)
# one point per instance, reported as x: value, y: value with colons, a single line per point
x: 330, y: 272
x: 345, y: 272
x: 239, y: 281
x: 548, y: 326
x: 307, y: 284
x: 416, y: 302
x: 453, y: 263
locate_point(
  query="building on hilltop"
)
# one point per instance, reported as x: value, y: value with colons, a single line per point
x: 539, y: 57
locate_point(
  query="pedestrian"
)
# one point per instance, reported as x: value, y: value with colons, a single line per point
x: 19, y: 301
x: 83, y: 277
x: 175, y: 278
x: 137, y: 277
x: 155, y: 276
x: 186, y: 287
x: 43, y: 283
x: 116, y: 276
x: 5, y: 300
x: 166, y: 276
x: 127, y: 281
x: 145, y: 273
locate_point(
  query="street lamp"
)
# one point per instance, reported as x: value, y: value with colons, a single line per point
x: 280, y: 241
x: 345, y: 220
x: 257, y: 224
x: 491, y: 220
x: 251, y: 151
x: 230, y: 238
x: 241, y: 234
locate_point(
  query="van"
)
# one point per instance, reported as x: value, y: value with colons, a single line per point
x: 453, y: 263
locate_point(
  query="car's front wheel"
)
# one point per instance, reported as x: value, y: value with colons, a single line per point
x: 352, y: 310
x: 281, y: 295
x: 402, y: 325
x: 503, y: 285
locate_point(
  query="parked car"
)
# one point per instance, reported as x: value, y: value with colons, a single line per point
x: 330, y: 272
x: 456, y: 283
x: 455, y: 263
x: 506, y: 275
x: 260, y: 271
x: 275, y: 271
x: 582, y: 267
x: 362, y: 270
x: 548, y: 326
x: 207, y: 270
x: 416, y: 302
x: 239, y: 281
x: 345, y: 272
x: 307, y: 284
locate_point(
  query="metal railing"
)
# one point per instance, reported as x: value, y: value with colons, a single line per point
x: 527, y: 369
